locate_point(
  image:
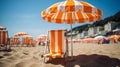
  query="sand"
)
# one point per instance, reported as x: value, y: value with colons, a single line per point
x: 85, y: 55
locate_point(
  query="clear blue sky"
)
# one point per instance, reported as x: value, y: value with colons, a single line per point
x: 24, y: 15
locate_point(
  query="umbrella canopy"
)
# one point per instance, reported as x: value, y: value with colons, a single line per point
x: 20, y: 34
x: 100, y: 37
x: 27, y: 36
x: 114, y: 37
x: 42, y: 37
x: 2, y: 28
x: 70, y: 12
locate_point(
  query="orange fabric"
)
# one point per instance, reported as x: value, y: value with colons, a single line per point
x: 91, y: 18
x: 43, y: 14
x: 80, y: 17
x: 3, y: 37
x: 1, y: 44
x: 56, y: 55
x: 70, y: 6
x: 60, y: 42
x: 56, y: 44
x: 2, y: 28
x: 42, y: 38
x: 99, y: 12
x: 15, y: 40
x: 67, y: 13
x: 87, y: 7
x: 68, y: 18
x: 49, y: 17
x: 52, y: 41
x: 58, y: 18
x: 21, y: 34
x: 54, y: 7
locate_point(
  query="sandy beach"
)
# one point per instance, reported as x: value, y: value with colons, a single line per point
x: 85, y: 55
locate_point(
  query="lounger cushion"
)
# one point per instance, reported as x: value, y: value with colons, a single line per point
x: 54, y: 55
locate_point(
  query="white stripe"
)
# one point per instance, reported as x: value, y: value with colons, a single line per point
x: 78, y: 6
x: 56, y: 41
x: 85, y: 17
x: 73, y: 16
x: 93, y: 7
x: 94, y: 19
x: 63, y: 18
x: 63, y: 42
x: 60, y: 6
x: 63, y: 5
x: 50, y: 41
x: 81, y: 7
x: 76, y: 17
x: 93, y: 10
x: 55, y: 16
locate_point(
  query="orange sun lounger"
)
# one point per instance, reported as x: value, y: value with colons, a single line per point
x: 15, y: 41
x: 57, y: 45
x: 3, y: 38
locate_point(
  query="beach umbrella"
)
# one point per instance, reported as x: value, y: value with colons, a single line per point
x: 42, y: 37
x: 27, y: 36
x: 70, y: 12
x: 114, y: 37
x: 89, y: 40
x: 27, y: 39
x: 100, y: 37
x: 20, y: 34
x: 2, y: 28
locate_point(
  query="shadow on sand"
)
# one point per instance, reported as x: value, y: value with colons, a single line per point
x: 93, y: 60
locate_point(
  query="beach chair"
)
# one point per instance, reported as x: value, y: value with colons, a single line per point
x: 3, y: 38
x: 16, y: 41
x: 57, y: 46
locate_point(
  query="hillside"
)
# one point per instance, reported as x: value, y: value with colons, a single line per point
x: 115, y: 18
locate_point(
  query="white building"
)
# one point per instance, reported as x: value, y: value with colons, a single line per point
x: 98, y: 30
x: 91, y: 31
x: 107, y: 27
x: 83, y: 34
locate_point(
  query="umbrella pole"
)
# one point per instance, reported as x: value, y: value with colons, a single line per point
x: 71, y: 41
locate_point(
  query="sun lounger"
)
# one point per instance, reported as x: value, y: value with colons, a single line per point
x: 57, y: 47
x: 3, y: 38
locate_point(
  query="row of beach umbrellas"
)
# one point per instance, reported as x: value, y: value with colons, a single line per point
x: 112, y: 39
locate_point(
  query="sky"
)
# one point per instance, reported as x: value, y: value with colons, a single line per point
x: 25, y: 15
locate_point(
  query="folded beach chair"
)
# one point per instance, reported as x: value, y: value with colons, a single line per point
x: 3, y: 38
x: 15, y: 41
x: 30, y: 42
x: 57, y: 45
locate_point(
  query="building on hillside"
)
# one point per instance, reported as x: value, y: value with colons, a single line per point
x: 91, y: 31
x: 83, y: 34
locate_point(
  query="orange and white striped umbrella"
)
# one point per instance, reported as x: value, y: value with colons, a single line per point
x: 2, y: 28
x: 27, y: 36
x: 42, y: 37
x: 71, y: 11
x: 20, y: 34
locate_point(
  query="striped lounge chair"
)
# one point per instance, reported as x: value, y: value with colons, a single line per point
x: 57, y: 47
x: 3, y: 38
x: 15, y: 41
